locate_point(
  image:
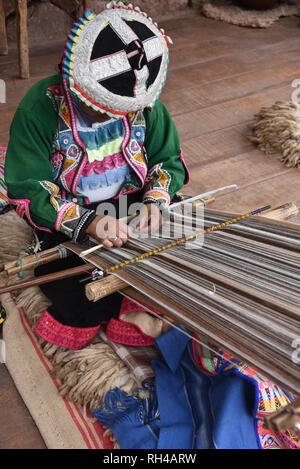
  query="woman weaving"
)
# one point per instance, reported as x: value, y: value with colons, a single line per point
x: 93, y: 135
x: 96, y: 132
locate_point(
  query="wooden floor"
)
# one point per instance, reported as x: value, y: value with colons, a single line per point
x: 219, y: 76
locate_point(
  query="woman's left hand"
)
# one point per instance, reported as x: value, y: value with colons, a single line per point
x: 150, y: 219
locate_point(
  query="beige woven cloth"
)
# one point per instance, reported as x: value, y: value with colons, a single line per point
x: 230, y: 12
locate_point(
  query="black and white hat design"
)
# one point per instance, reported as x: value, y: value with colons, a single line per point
x: 116, y: 62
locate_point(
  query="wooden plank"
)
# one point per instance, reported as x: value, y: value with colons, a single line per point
x: 6, y: 118
x: 276, y: 190
x: 231, y: 65
x: 195, y: 98
x: 88, y: 4
x: 39, y: 68
x: 227, y: 89
x: 202, y: 119
x: 243, y: 169
x: 225, y: 115
x: 3, y: 36
x: 193, y: 29
x: 22, y: 34
x: 216, y: 46
x: 37, y: 51
x: 4, y: 138
x: 217, y: 145
x: 16, y: 89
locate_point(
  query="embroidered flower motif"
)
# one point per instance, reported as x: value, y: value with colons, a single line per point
x: 73, y: 151
x: 134, y: 147
x: 65, y: 140
x: 138, y: 134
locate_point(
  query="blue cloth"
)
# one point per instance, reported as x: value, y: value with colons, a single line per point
x: 133, y: 421
x: 94, y: 138
x: 196, y: 411
x: 110, y: 177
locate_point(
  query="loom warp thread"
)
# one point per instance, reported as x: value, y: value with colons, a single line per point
x: 184, y: 240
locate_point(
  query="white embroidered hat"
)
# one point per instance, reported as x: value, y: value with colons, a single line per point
x: 116, y: 62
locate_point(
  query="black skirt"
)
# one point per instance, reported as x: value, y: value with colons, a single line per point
x: 70, y: 307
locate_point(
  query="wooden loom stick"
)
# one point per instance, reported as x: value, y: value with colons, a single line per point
x: 90, y: 250
x: 101, y: 288
x: 32, y: 261
x: 204, y: 201
x: 95, y: 290
x: 10, y: 264
x: 106, y: 286
x: 43, y: 279
x: 201, y: 196
x: 49, y: 255
x: 284, y: 212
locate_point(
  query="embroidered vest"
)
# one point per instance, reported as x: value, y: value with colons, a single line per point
x: 69, y: 156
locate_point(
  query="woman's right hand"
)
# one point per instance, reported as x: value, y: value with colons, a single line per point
x: 109, y: 231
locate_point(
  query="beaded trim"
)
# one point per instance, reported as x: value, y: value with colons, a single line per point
x: 74, y: 338
x: 85, y: 220
x: 125, y: 333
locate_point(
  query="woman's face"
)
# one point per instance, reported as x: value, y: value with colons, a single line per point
x: 96, y: 116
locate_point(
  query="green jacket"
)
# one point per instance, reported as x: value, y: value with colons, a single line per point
x: 45, y: 158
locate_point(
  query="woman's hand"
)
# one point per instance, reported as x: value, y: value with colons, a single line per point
x: 109, y: 231
x: 150, y: 219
